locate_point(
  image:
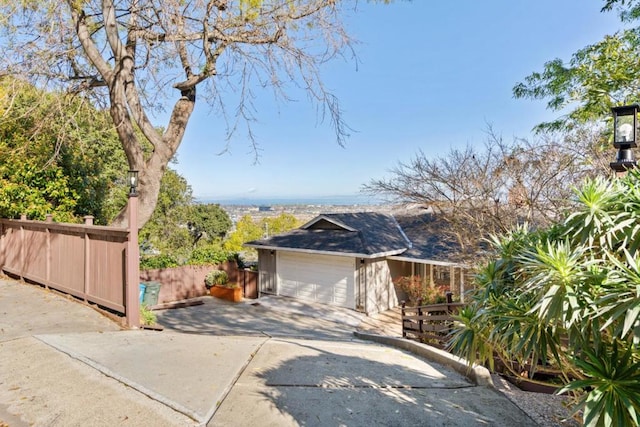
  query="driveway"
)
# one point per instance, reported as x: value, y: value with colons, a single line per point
x: 311, y: 371
x: 220, y: 365
x: 269, y: 316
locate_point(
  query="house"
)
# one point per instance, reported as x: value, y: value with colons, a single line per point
x: 350, y: 259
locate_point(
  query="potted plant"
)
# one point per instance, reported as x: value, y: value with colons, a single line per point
x: 217, y: 281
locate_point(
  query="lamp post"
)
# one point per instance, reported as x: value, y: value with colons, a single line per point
x: 132, y: 295
x: 625, y: 129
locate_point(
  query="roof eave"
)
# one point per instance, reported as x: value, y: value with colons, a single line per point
x: 427, y: 261
x: 317, y: 251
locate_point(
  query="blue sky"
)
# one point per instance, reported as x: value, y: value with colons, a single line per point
x: 430, y: 76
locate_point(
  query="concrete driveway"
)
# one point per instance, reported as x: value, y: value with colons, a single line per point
x: 269, y: 316
x: 311, y: 371
x: 220, y: 365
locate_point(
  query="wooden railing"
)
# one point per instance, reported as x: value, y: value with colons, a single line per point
x: 84, y: 260
x: 430, y: 324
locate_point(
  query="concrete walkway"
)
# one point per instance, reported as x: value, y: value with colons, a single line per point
x: 64, y: 364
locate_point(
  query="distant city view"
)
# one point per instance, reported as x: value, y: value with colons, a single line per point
x: 302, y: 208
x: 347, y: 200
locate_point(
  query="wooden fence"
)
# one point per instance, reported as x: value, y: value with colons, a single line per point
x: 429, y: 323
x: 84, y: 260
x: 180, y: 283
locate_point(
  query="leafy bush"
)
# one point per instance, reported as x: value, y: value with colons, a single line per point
x: 210, y: 254
x: 157, y: 261
x: 569, y: 298
x: 216, y: 277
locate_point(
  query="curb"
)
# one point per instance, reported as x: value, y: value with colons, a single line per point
x: 478, y: 374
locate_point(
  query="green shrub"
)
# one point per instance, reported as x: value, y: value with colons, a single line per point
x: 147, y: 317
x: 568, y: 298
x: 157, y: 261
x: 207, y: 255
x: 216, y: 277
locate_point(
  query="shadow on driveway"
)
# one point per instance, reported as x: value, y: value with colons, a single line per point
x: 322, y: 383
x: 267, y: 316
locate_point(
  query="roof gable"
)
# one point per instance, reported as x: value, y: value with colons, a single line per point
x: 323, y: 222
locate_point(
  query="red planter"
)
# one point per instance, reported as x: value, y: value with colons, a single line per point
x: 228, y: 294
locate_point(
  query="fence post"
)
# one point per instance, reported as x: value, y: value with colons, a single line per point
x: 132, y: 295
x: 88, y: 221
x: 404, y: 333
x: 449, y: 296
x: 2, y: 246
x: 23, y: 255
x: 48, y: 255
x: 420, y: 321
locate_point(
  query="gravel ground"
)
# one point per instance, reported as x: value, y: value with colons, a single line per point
x: 546, y: 409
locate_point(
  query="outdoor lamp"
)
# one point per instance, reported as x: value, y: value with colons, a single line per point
x: 625, y: 126
x: 133, y: 182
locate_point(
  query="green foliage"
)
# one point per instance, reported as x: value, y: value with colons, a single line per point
x: 595, y: 78
x: 210, y: 254
x: 247, y: 230
x: 152, y: 262
x: 147, y: 316
x: 209, y: 222
x: 167, y: 229
x: 568, y: 297
x: 27, y: 188
x: 216, y: 278
x: 612, y: 372
x: 50, y: 162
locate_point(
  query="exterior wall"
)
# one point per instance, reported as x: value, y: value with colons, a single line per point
x: 380, y: 291
x: 267, y: 279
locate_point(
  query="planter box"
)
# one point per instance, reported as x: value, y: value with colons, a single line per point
x: 229, y: 294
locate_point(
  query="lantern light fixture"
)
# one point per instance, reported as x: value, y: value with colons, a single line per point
x: 625, y: 130
x: 133, y: 182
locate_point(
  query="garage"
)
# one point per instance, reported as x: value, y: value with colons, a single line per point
x: 320, y: 278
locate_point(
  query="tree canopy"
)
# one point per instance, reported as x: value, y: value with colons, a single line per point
x: 248, y: 229
x: 595, y: 78
x: 138, y: 58
x: 208, y: 222
x: 60, y: 156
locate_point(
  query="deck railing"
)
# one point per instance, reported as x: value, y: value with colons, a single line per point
x: 430, y: 324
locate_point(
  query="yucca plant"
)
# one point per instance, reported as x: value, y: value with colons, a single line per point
x: 568, y: 296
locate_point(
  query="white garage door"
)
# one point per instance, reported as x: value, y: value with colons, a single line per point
x: 320, y: 278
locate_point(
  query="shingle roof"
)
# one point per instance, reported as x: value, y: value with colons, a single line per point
x: 429, y: 242
x: 369, y: 234
x: 364, y: 234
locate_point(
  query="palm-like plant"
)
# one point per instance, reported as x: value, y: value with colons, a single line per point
x: 569, y: 296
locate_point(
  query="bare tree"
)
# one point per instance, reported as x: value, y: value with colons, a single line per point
x: 475, y: 192
x: 135, y: 54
